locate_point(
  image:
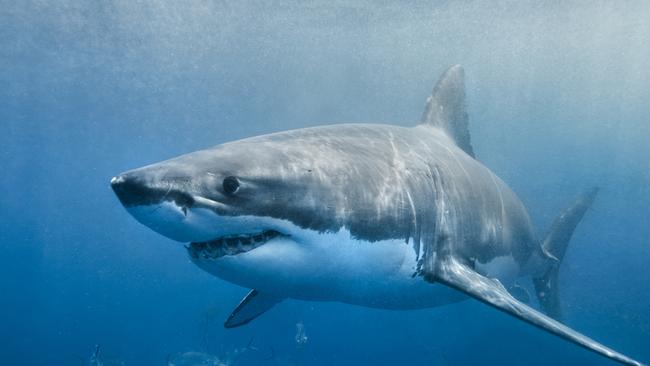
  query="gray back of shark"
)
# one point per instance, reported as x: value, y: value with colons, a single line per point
x: 373, y: 186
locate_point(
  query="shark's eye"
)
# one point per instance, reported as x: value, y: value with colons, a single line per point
x: 230, y: 185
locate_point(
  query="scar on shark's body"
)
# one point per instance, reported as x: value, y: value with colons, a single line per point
x: 367, y: 214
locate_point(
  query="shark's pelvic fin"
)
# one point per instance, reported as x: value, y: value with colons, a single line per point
x: 555, y: 244
x: 457, y: 275
x: 446, y: 110
x: 251, y: 306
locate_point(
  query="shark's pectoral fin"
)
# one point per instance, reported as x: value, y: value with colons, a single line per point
x: 251, y: 306
x: 457, y: 275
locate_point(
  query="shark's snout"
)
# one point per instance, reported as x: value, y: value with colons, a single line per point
x: 123, y: 189
x: 130, y: 190
x: 162, y: 204
x: 133, y: 190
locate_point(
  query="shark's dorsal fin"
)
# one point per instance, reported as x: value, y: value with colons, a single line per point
x: 252, y: 305
x: 445, y: 108
x: 452, y: 273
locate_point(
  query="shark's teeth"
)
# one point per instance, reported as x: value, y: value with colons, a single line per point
x: 230, y: 245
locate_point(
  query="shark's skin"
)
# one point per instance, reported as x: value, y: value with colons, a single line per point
x: 373, y: 215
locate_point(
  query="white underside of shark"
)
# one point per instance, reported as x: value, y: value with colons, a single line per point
x: 373, y: 274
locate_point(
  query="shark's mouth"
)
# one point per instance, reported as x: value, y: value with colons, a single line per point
x: 231, y: 245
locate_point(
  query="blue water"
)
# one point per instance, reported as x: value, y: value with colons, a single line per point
x: 558, y: 96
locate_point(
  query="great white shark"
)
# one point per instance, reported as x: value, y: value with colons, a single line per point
x: 374, y: 215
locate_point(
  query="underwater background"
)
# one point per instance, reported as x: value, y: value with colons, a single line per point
x: 559, y: 101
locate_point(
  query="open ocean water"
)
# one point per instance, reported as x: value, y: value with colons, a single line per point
x: 559, y: 101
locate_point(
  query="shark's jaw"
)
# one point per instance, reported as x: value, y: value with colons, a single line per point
x: 230, y: 245
x: 209, y: 235
x: 210, y: 227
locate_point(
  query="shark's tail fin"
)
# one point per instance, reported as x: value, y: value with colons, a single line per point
x: 554, y: 245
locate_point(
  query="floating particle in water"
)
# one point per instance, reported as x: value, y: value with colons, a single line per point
x: 301, y: 335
